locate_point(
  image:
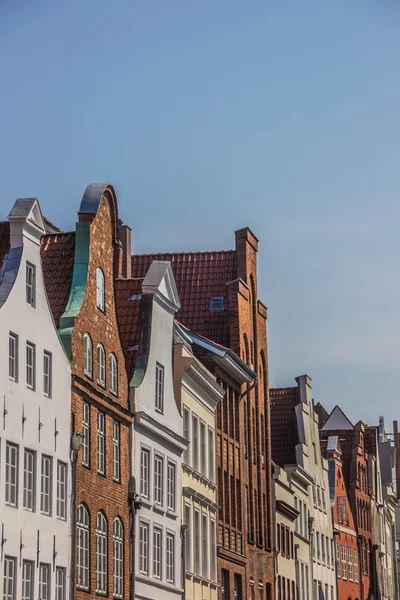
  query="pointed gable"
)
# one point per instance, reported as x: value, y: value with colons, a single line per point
x: 337, y: 420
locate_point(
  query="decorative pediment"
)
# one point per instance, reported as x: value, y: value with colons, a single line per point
x: 337, y: 420
x: 160, y: 282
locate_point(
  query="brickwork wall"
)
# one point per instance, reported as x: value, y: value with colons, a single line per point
x: 98, y: 492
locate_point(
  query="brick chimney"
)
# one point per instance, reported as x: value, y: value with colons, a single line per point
x: 246, y: 254
x: 125, y: 251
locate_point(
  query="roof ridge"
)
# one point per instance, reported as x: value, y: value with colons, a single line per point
x: 51, y: 233
x: 185, y: 252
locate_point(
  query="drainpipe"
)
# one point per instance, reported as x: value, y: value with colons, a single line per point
x: 76, y: 445
x: 183, y: 559
x: 336, y: 534
x: 311, y: 537
x: 360, y: 562
x: 135, y: 504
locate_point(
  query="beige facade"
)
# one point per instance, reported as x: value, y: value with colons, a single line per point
x: 197, y: 395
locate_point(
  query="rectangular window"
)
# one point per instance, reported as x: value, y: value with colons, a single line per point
x: 47, y: 373
x: 29, y: 480
x: 30, y: 365
x: 188, y: 538
x: 225, y: 584
x: 213, y: 553
x: 158, y: 479
x: 355, y: 563
x: 86, y: 434
x: 186, y: 421
x: 350, y: 563
x: 344, y: 562
x: 211, y: 455
x: 323, y: 547
x: 116, y: 452
x: 196, y: 542
x: 237, y: 586
x: 318, y: 548
x: 61, y: 583
x: 144, y: 548
x: 10, y: 578
x: 171, y: 486
x: 61, y: 490
x: 13, y: 356
x: 11, y: 474
x: 45, y: 491
x: 327, y: 552
x: 203, y: 454
x: 27, y: 580
x: 30, y: 284
x: 157, y: 552
x: 101, y: 443
x: 205, y: 548
x: 170, y: 557
x: 195, y: 434
x: 44, y: 582
x: 338, y: 560
x: 144, y: 472
x: 159, y: 388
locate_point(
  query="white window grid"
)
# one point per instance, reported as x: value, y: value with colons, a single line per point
x: 87, y: 355
x: 186, y: 433
x: 144, y: 472
x: 83, y: 544
x: 323, y: 547
x: 29, y: 480
x: 196, y: 529
x: 205, y: 549
x: 116, y: 451
x: 100, y: 289
x: 61, y: 583
x: 211, y: 455
x: 30, y: 283
x: 213, y: 551
x: 101, y: 365
x: 86, y: 434
x: 159, y: 399
x: 44, y: 581
x: 45, y: 489
x: 30, y: 365
x: 188, y: 538
x: 28, y: 569
x: 355, y: 562
x: 170, y: 557
x: 144, y: 548
x: 10, y: 578
x: 13, y: 356
x: 171, y: 485
x: 11, y: 483
x: 158, y: 479
x: 113, y: 374
x: 338, y: 561
x: 101, y: 443
x: 118, y: 559
x: 203, y: 453
x: 101, y: 554
x: 344, y: 562
x: 195, y: 434
x: 318, y: 548
x: 47, y: 373
x: 61, y: 490
x: 157, y: 552
x: 350, y: 563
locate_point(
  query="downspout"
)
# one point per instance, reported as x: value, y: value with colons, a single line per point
x: 134, y: 505
x: 183, y: 560
x: 311, y: 536
x: 360, y: 554
x: 74, y: 459
x: 253, y: 385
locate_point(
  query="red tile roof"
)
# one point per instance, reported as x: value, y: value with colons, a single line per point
x: 284, y: 433
x: 4, y: 239
x: 57, y: 251
x: 199, y: 276
x: 128, y: 293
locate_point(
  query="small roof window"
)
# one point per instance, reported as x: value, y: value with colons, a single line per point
x: 217, y: 303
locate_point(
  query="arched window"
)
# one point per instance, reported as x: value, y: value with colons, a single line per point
x: 87, y: 355
x: 118, y: 559
x: 101, y: 554
x: 83, y: 547
x: 100, y: 289
x: 101, y: 365
x: 113, y: 374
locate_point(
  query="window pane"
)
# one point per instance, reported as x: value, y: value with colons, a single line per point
x: 101, y: 554
x: 45, y: 492
x: 83, y: 548
x: 86, y: 434
x: 27, y: 580
x: 157, y: 552
x: 158, y: 479
x: 29, y: 480
x: 171, y: 486
x: 116, y: 451
x: 118, y: 559
x: 144, y: 472
x: 44, y: 582
x: 30, y: 366
x: 11, y: 483
x: 10, y: 575
x: 159, y: 401
x: 61, y: 490
x: 60, y: 583
x: 101, y: 442
x: 30, y: 284
x: 47, y: 373
x: 13, y: 356
x: 144, y: 548
x: 170, y: 557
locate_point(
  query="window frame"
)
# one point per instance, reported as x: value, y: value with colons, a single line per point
x: 29, y: 481
x: 101, y: 554
x: 171, y: 485
x: 13, y: 342
x: 62, y: 486
x: 101, y: 365
x: 11, y: 488
x: 157, y: 559
x: 100, y: 289
x: 101, y: 442
x: 83, y: 547
x: 46, y: 480
x: 60, y: 586
x: 86, y: 434
x: 9, y: 577
x: 170, y: 557
x: 47, y: 374
x: 28, y: 568
x: 158, y: 496
x: 211, y: 454
x: 118, y: 558
x: 116, y: 451
x: 145, y: 473
x: 30, y: 367
x: 159, y: 388
x: 87, y: 355
x: 44, y: 568
x: 113, y: 374
x: 144, y: 547
x: 30, y: 286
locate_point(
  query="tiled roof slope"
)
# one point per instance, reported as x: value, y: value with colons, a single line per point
x: 4, y: 239
x: 57, y: 251
x: 284, y: 433
x: 199, y: 276
x: 128, y: 293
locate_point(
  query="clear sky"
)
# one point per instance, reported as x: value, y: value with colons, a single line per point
x: 211, y: 115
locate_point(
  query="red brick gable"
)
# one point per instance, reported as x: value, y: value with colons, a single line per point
x: 128, y: 295
x: 284, y: 434
x: 199, y: 276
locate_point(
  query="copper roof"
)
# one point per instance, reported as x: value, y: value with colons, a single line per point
x: 128, y: 293
x: 199, y: 276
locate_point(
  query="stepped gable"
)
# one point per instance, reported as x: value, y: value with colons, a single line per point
x: 284, y: 433
x: 199, y: 276
x: 57, y: 252
x: 128, y: 294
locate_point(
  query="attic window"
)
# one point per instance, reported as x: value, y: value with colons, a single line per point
x: 217, y: 303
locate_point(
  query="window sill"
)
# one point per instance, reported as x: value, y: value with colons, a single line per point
x: 147, y: 504
x: 101, y: 475
x: 159, y: 509
x: 172, y: 515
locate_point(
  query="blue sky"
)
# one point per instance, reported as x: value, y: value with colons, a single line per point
x: 209, y: 116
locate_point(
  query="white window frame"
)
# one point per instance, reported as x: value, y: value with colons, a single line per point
x: 196, y: 540
x: 157, y: 551
x: 350, y: 563
x: 28, y: 579
x: 159, y: 388
x: 143, y: 547
x: 158, y: 479
x: 186, y: 433
x: 338, y: 560
x: 145, y: 472
x: 13, y: 356
x: 100, y: 289
x: 62, y: 482
x: 203, y: 449
x: 170, y: 553
x: 188, y: 538
x: 44, y: 581
x: 101, y: 442
x: 12, y: 469
x: 113, y: 374
x: 205, y: 545
x: 46, y: 484
x: 116, y: 451
x: 9, y: 578
x: 355, y: 563
x: 171, y: 485
x: 61, y: 583
x: 101, y: 553
x: 344, y: 562
x: 83, y: 547
x: 86, y: 434
x: 47, y: 373
x: 101, y: 365
x: 87, y: 355
x: 213, y: 550
x: 211, y: 454
x: 31, y: 284
x: 118, y: 558
x: 195, y: 442
x: 30, y: 366
x: 28, y: 500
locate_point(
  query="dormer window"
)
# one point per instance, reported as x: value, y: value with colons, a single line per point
x: 30, y: 284
x: 217, y: 303
x: 159, y: 400
x: 101, y: 365
x: 100, y: 289
x: 87, y: 355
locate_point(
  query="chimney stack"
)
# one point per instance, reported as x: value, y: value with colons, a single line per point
x: 125, y: 251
